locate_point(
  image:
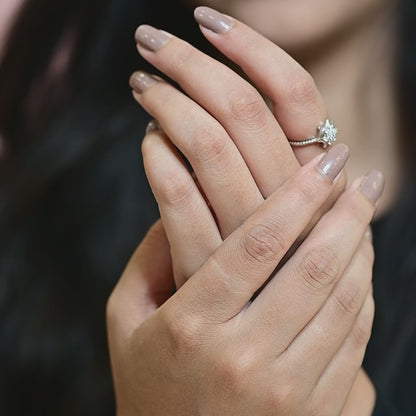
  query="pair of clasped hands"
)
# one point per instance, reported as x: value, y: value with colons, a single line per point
x: 270, y: 252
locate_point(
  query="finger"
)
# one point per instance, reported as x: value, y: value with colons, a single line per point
x: 244, y: 261
x: 342, y: 370
x: 230, y: 99
x: 219, y: 167
x: 321, y: 339
x: 145, y: 284
x: 190, y: 227
x: 297, y: 103
x: 302, y: 286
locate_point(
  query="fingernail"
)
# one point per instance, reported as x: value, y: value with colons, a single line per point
x: 334, y: 161
x: 372, y: 185
x: 141, y: 81
x: 212, y: 20
x: 368, y: 233
x: 151, y: 38
x: 153, y: 126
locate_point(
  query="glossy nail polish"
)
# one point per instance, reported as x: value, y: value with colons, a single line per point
x: 140, y: 81
x: 151, y: 38
x: 372, y: 185
x: 212, y: 20
x: 334, y: 161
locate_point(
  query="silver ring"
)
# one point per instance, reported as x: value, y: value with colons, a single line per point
x: 327, y: 135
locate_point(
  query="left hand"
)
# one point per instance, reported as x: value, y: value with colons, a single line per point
x: 224, y: 127
x: 242, y: 180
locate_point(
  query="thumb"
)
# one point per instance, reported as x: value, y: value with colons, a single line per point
x: 146, y: 283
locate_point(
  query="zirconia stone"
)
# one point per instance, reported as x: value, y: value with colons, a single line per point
x: 328, y: 133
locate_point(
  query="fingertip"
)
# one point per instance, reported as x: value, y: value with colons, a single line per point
x: 213, y: 20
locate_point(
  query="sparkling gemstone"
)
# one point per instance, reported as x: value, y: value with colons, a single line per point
x: 327, y: 133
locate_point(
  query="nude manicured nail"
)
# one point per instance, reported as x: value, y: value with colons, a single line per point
x: 368, y: 233
x: 153, y: 126
x: 140, y: 81
x: 151, y: 38
x: 212, y: 20
x: 372, y: 185
x: 334, y: 161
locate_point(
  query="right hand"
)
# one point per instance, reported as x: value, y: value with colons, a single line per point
x: 211, y: 349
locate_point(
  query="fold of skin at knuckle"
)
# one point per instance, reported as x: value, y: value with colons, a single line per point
x: 235, y: 368
x: 185, y: 332
x: 175, y: 190
x: 209, y: 147
x: 348, y: 299
x: 319, y: 268
x: 264, y: 243
x: 245, y: 105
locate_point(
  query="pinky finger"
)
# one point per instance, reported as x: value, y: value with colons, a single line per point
x: 337, y: 380
x: 189, y: 224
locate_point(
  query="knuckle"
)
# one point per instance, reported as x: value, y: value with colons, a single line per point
x: 320, y: 267
x: 246, y: 105
x: 176, y: 189
x: 264, y: 243
x: 184, y: 331
x: 348, y: 299
x: 235, y: 369
x: 209, y: 146
x: 361, y: 334
x: 301, y: 88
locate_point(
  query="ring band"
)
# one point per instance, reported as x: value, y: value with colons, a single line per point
x: 327, y: 135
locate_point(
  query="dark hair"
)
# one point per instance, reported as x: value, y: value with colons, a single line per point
x: 74, y: 201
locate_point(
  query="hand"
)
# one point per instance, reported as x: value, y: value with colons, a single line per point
x: 211, y: 349
x: 361, y: 400
x: 223, y: 125
x: 237, y: 211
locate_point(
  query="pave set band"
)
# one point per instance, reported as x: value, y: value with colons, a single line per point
x: 327, y: 135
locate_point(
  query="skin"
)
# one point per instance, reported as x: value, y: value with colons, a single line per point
x: 298, y: 25
x: 339, y: 42
x: 194, y: 308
